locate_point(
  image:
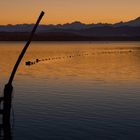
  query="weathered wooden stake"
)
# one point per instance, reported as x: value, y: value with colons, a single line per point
x: 8, y: 87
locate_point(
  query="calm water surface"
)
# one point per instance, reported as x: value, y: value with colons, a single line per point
x: 84, y: 90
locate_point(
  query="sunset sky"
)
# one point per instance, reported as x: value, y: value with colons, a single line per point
x: 63, y: 11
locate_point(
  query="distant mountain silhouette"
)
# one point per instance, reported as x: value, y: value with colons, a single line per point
x: 132, y: 23
x: 74, y: 31
x: 73, y: 26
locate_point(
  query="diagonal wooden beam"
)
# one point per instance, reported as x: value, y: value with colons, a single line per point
x: 7, y: 100
x: 24, y: 49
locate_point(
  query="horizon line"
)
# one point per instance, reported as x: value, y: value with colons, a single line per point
x: 55, y: 24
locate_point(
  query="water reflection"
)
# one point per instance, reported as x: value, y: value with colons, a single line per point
x: 77, y: 90
x: 107, y: 62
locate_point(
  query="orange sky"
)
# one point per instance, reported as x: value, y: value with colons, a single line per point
x: 63, y: 11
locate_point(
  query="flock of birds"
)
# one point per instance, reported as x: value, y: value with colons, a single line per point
x: 29, y: 63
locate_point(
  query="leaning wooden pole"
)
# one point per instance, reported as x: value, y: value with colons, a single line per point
x: 8, y: 87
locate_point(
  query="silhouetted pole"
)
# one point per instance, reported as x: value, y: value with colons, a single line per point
x: 8, y: 87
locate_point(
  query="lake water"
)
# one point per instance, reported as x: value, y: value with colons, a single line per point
x: 78, y: 91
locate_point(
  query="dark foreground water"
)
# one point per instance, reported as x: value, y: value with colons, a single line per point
x: 82, y: 91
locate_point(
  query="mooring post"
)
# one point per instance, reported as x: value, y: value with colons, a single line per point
x: 7, y: 100
x: 7, y: 103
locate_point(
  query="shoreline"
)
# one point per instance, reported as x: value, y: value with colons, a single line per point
x: 64, y: 36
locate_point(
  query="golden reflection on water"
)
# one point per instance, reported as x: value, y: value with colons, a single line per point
x: 77, y: 60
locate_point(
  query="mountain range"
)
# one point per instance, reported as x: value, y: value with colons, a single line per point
x: 77, y: 25
x: 74, y: 31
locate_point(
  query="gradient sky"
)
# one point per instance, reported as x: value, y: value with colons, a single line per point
x: 63, y: 11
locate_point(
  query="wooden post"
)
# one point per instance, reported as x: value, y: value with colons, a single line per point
x: 7, y: 103
x: 8, y: 87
